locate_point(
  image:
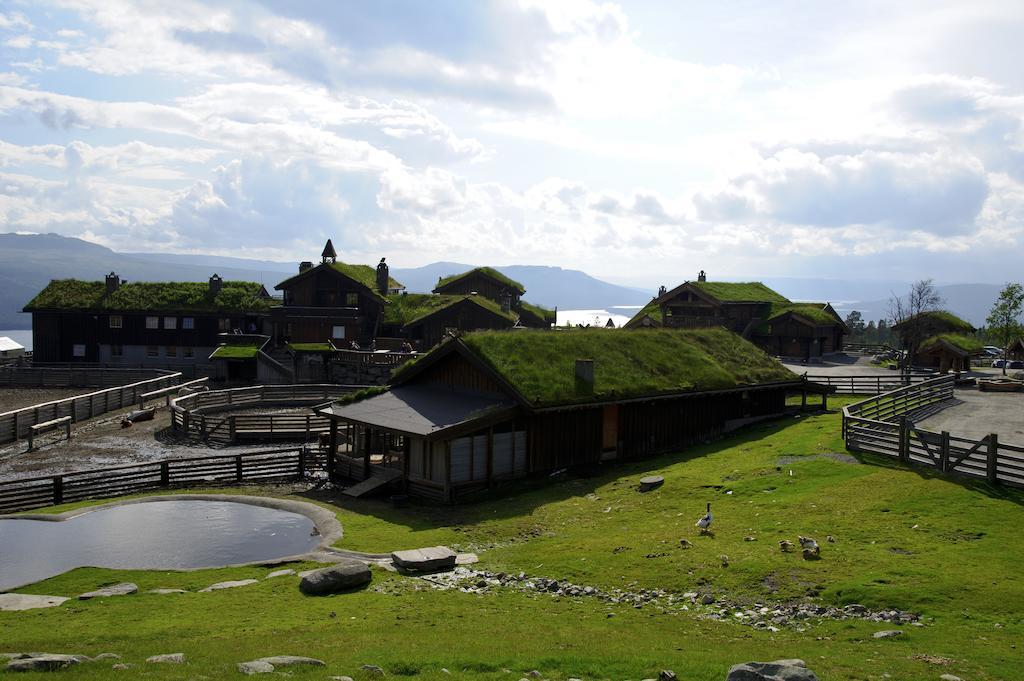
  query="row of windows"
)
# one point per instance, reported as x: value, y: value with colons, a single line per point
x: 187, y: 323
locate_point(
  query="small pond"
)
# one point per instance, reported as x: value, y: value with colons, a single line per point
x: 172, y: 534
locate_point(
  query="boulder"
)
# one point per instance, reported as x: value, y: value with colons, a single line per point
x: 228, y: 585
x: 121, y: 666
x: 291, y: 660
x: 429, y: 559
x: 667, y: 675
x: 122, y: 589
x: 343, y: 576
x: 167, y: 658
x: 651, y: 482
x: 888, y: 633
x: 778, y: 670
x: 43, y: 662
x: 255, y: 667
x: 28, y: 601
x: 373, y: 670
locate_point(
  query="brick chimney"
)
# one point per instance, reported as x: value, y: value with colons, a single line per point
x: 382, y: 277
x: 215, y: 285
x: 113, y: 282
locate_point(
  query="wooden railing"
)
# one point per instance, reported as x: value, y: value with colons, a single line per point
x: 201, y: 414
x: 14, y: 425
x: 883, y: 425
x: 230, y: 469
x: 869, y: 385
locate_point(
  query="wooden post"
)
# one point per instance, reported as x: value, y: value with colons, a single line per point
x: 367, y: 446
x: 803, y: 399
x: 238, y: 468
x: 904, y: 450
x: 58, y: 489
x: 332, y: 450
x: 165, y: 473
x: 231, y: 429
x: 992, y: 467
x: 490, y: 455
x: 302, y: 461
x: 824, y: 400
x: 944, y: 452
x: 448, y: 471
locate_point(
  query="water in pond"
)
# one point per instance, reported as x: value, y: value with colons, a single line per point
x: 153, y: 535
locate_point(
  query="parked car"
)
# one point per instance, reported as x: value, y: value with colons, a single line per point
x: 1015, y: 364
x: 998, y: 363
x: 993, y: 351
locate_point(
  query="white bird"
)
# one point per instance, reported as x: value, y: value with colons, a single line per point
x: 705, y: 522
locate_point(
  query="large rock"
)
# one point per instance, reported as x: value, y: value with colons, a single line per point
x: 888, y: 633
x: 43, y: 662
x: 343, y: 576
x: 122, y: 589
x: 291, y: 660
x: 167, y: 658
x: 255, y: 667
x: 28, y: 601
x: 430, y: 559
x: 280, y: 573
x: 778, y: 670
x: 228, y: 585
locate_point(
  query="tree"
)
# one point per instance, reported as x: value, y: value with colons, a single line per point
x: 1004, y: 319
x: 855, y: 322
x: 871, y: 334
x: 907, y: 313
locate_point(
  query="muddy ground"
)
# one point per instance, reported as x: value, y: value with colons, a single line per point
x: 16, y: 398
x: 102, y: 443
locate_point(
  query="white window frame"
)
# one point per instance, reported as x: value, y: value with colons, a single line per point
x: 170, y: 322
x: 188, y: 323
x: 152, y: 322
x: 116, y: 321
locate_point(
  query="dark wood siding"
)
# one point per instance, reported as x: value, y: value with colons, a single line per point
x: 457, y: 373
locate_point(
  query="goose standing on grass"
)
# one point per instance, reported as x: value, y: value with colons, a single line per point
x: 705, y: 522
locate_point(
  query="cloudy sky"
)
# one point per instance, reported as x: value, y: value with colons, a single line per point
x: 637, y: 141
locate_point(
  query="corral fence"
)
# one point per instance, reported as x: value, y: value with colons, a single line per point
x: 16, y: 424
x: 869, y: 384
x: 202, y: 415
x: 188, y: 369
x: 229, y: 469
x: 883, y: 424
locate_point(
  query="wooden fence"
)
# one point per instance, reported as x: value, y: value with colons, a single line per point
x: 263, y: 466
x: 195, y: 415
x: 869, y: 385
x: 14, y: 425
x: 884, y: 425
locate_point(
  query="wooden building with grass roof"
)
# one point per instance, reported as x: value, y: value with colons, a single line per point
x: 938, y: 339
x: 771, y: 321
x: 491, y: 406
x: 502, y: 290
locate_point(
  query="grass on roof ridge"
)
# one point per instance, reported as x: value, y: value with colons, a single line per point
x: 750, y: 291
x: 177, y: 296
x: 959, y: 340
x: 651, y: 309
x: 489, y: 271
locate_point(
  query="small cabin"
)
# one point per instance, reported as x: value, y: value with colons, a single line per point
x: 505, y: 291
x: 940, y: 340
x: 491, y: 406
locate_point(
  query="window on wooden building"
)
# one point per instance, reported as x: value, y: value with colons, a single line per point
x: 224, y: 324
x: 338, y: 332
x: 152, y: 322
x: 116, y: 321
x: 170, y: 322
x: 352, y: 299
x: 188, y: 322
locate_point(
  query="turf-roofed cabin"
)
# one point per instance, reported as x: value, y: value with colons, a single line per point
x: 493, y: 406
x: 150, y: 323
x: 768, y: 319
x: 505, y: 291
x: 940, y: 340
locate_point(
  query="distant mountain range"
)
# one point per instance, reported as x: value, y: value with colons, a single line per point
x: 29, y: 262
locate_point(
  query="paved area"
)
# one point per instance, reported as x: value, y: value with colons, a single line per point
x: 976, y: 414
x: 840, y: 365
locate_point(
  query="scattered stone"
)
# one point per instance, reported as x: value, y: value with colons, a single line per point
x: 810, y: 548
x: 667, y: 675
x: 341, y: 678
x: 445, y: 670
x: 950, y: 677
x: 534, y: 673
x: 428, y: 559
x: 167, y: 658
x: 707, y: 599
x: 725, y: 560
x: 466, y: 559
x: 933, y: 659
x: 779, y: 670
x: 685, y: 543
x: 651, y: 482
x: 43, y: 662
x: 13, y: 602
x: 280, y: 573
x: 122, y: 589
x: 228, y: 585
x: 291, y: 661
x: 121, y: 666
x: 373, y: 669
x: 786, y: 546
x: 167, y: 591
x: 255, y: 667
x: 750, y: 538
x: 830, y: 539
x: 343, y: 576
x: 308, y: 572
x: 888, y: 633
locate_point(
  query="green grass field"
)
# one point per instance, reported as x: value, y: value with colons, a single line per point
x: 947, y: 548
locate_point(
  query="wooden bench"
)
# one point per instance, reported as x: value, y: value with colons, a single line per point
x: 63, y: 421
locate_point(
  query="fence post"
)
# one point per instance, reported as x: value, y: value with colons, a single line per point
x: 904, y: 439
x: 165, y: 473
x: 202, y: 426
x: 944, y: 452
x: 993, y: 459
x: 302, y: 461
x: 238, y: 468
x: 58, y: 490
x: 231, y: 429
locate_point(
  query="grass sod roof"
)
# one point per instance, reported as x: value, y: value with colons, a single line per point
x: 486, y: 271
x: 814, y: 312
x: 361, y: 274
x: 172, y: 296
x: 541, y: 313
x: 415, y: 307
x: 739, y: 292
x: 651, y: 309
x: 240, y: 351
x: 311, y: 347
x: 964, y: 343
x: 540, y: 365
x: 940, y: 317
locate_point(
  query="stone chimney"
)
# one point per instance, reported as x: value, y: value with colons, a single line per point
x: 305, y: 265
x: 382, y: 277
x: 702, y: 276
x: 215, y: 285
x: 585, y: 371
x: 113, y: 282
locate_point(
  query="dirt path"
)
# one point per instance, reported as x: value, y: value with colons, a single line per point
x: 16, y: 398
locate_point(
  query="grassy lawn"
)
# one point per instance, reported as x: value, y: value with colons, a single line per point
x: 907, y: 539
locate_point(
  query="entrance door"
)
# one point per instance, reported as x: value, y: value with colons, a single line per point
x: 610, y: 432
